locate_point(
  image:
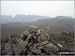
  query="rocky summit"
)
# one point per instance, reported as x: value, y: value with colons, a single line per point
x: 36, y: 41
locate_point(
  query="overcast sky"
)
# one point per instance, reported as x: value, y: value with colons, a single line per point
x: 43, y: 8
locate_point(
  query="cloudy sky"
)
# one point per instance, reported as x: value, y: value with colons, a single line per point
x: 43, y: 8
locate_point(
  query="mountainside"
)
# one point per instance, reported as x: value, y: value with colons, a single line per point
x: 58, y: 24
x: 20, y: 18
x: 51, y: 25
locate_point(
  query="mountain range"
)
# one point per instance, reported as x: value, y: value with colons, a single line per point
x: 20, y: 18
x: 52, y: 25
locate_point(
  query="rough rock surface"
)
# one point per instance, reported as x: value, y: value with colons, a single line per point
x: 37, y: 43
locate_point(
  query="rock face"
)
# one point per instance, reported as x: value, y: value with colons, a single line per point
x: 37, y: 42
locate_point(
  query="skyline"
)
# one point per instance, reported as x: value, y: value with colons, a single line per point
x: 42, y: 8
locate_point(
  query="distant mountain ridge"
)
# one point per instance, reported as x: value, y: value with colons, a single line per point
x: 53, y: 25
x: 20, y: 18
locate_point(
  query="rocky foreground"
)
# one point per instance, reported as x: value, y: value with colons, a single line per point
x: 33, y: 42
